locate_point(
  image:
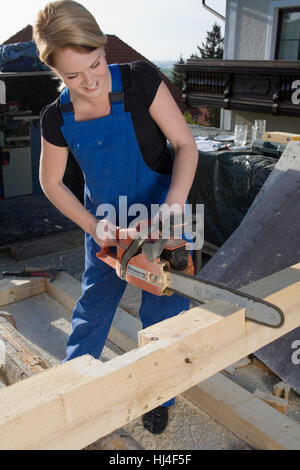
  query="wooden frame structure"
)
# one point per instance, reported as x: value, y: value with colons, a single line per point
x: 264, y: 86
x: 84, y: 399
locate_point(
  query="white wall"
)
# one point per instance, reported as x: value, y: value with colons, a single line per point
x: 251, y: 28
x: 250, y: 34
x: 246, y: 29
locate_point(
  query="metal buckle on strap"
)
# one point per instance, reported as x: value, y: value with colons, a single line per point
x: 116, y: 97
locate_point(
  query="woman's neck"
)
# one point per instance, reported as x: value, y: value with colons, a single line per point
x: 86, y: 107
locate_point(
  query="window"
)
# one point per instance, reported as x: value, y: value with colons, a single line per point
x: 288, y: 38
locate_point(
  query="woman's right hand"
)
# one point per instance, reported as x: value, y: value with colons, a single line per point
x: 105, y: 233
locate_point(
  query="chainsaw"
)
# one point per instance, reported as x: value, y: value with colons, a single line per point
x: 164, y: 266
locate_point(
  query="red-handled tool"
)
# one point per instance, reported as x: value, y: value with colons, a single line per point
x: 30, y: 272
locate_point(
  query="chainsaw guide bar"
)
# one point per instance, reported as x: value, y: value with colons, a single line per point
x: 256, y: 309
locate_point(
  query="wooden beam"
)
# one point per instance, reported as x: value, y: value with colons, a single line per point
x: 255, y: 422
x: 278, y: 403
x: 13, y: 290
x: 47, y: 244
x: 21, y: 358
x: 282, y: 390
x: 82, y: 400
x: 250, y: 419
x: 66, y: 290
x: 22, y: 361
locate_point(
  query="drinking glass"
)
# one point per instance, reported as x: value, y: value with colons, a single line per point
x: 240, y: 134
x: 260, y: 129
x: 254, y: 134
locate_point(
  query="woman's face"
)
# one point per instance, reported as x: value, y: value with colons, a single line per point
x: 85, y: 74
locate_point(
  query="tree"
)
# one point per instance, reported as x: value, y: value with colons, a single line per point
x: 213, y: 48
x: 177, y: 76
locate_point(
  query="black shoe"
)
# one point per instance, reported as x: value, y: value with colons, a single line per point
x: 156, y: 421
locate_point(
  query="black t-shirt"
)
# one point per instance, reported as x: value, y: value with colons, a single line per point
x: 140, y: 82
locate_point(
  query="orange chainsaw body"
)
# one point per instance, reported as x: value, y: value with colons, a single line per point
x: 142, y: 273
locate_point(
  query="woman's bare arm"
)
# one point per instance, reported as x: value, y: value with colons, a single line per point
x: 165, y: 112
x: 52, y: 169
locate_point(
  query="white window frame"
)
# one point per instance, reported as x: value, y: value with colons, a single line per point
x: 230, y: 30
x: 275, y: 6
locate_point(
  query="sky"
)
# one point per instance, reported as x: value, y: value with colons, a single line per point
x: 157, y: 29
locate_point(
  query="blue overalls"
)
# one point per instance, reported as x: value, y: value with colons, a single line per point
x: 108, y: 153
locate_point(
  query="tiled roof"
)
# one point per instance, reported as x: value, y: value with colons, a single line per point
x: 117, y: 51
x: 22, y: 36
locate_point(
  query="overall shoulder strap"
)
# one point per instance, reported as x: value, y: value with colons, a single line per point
x: 126, y: 75
x: 66, y: 106
x: 116, y: 96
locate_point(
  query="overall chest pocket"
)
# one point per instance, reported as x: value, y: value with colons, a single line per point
x: 99, y: 141
x: 99, y: 154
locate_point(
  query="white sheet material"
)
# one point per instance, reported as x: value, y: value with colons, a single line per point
x: 206, y: 145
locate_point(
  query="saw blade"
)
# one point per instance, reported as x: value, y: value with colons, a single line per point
x: 201, y: 290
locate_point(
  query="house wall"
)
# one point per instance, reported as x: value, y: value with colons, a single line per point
x: 246, y: 29
x: 250, y: 34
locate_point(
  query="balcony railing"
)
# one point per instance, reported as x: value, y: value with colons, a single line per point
x: 259, y: 86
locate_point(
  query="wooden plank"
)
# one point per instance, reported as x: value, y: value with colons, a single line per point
x: 255, y: 422
x: 66, y: 290
x: 13, y: 290
x: 245, y: 361
x: 259, y: 433
x: 278, y: 403
x: 21, y: 358
x: 49, y: 244
x: 282, y: 390
x: 260, y: 365
x: 83, y: 400
x: 281, y: 137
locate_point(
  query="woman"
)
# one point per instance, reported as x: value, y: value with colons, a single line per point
x: 115, y: 120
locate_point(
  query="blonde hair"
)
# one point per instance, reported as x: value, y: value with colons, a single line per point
x: 65, y: 23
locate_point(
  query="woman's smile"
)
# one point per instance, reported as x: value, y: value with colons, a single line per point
x: 83, y: 73
x: 92, y: 88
